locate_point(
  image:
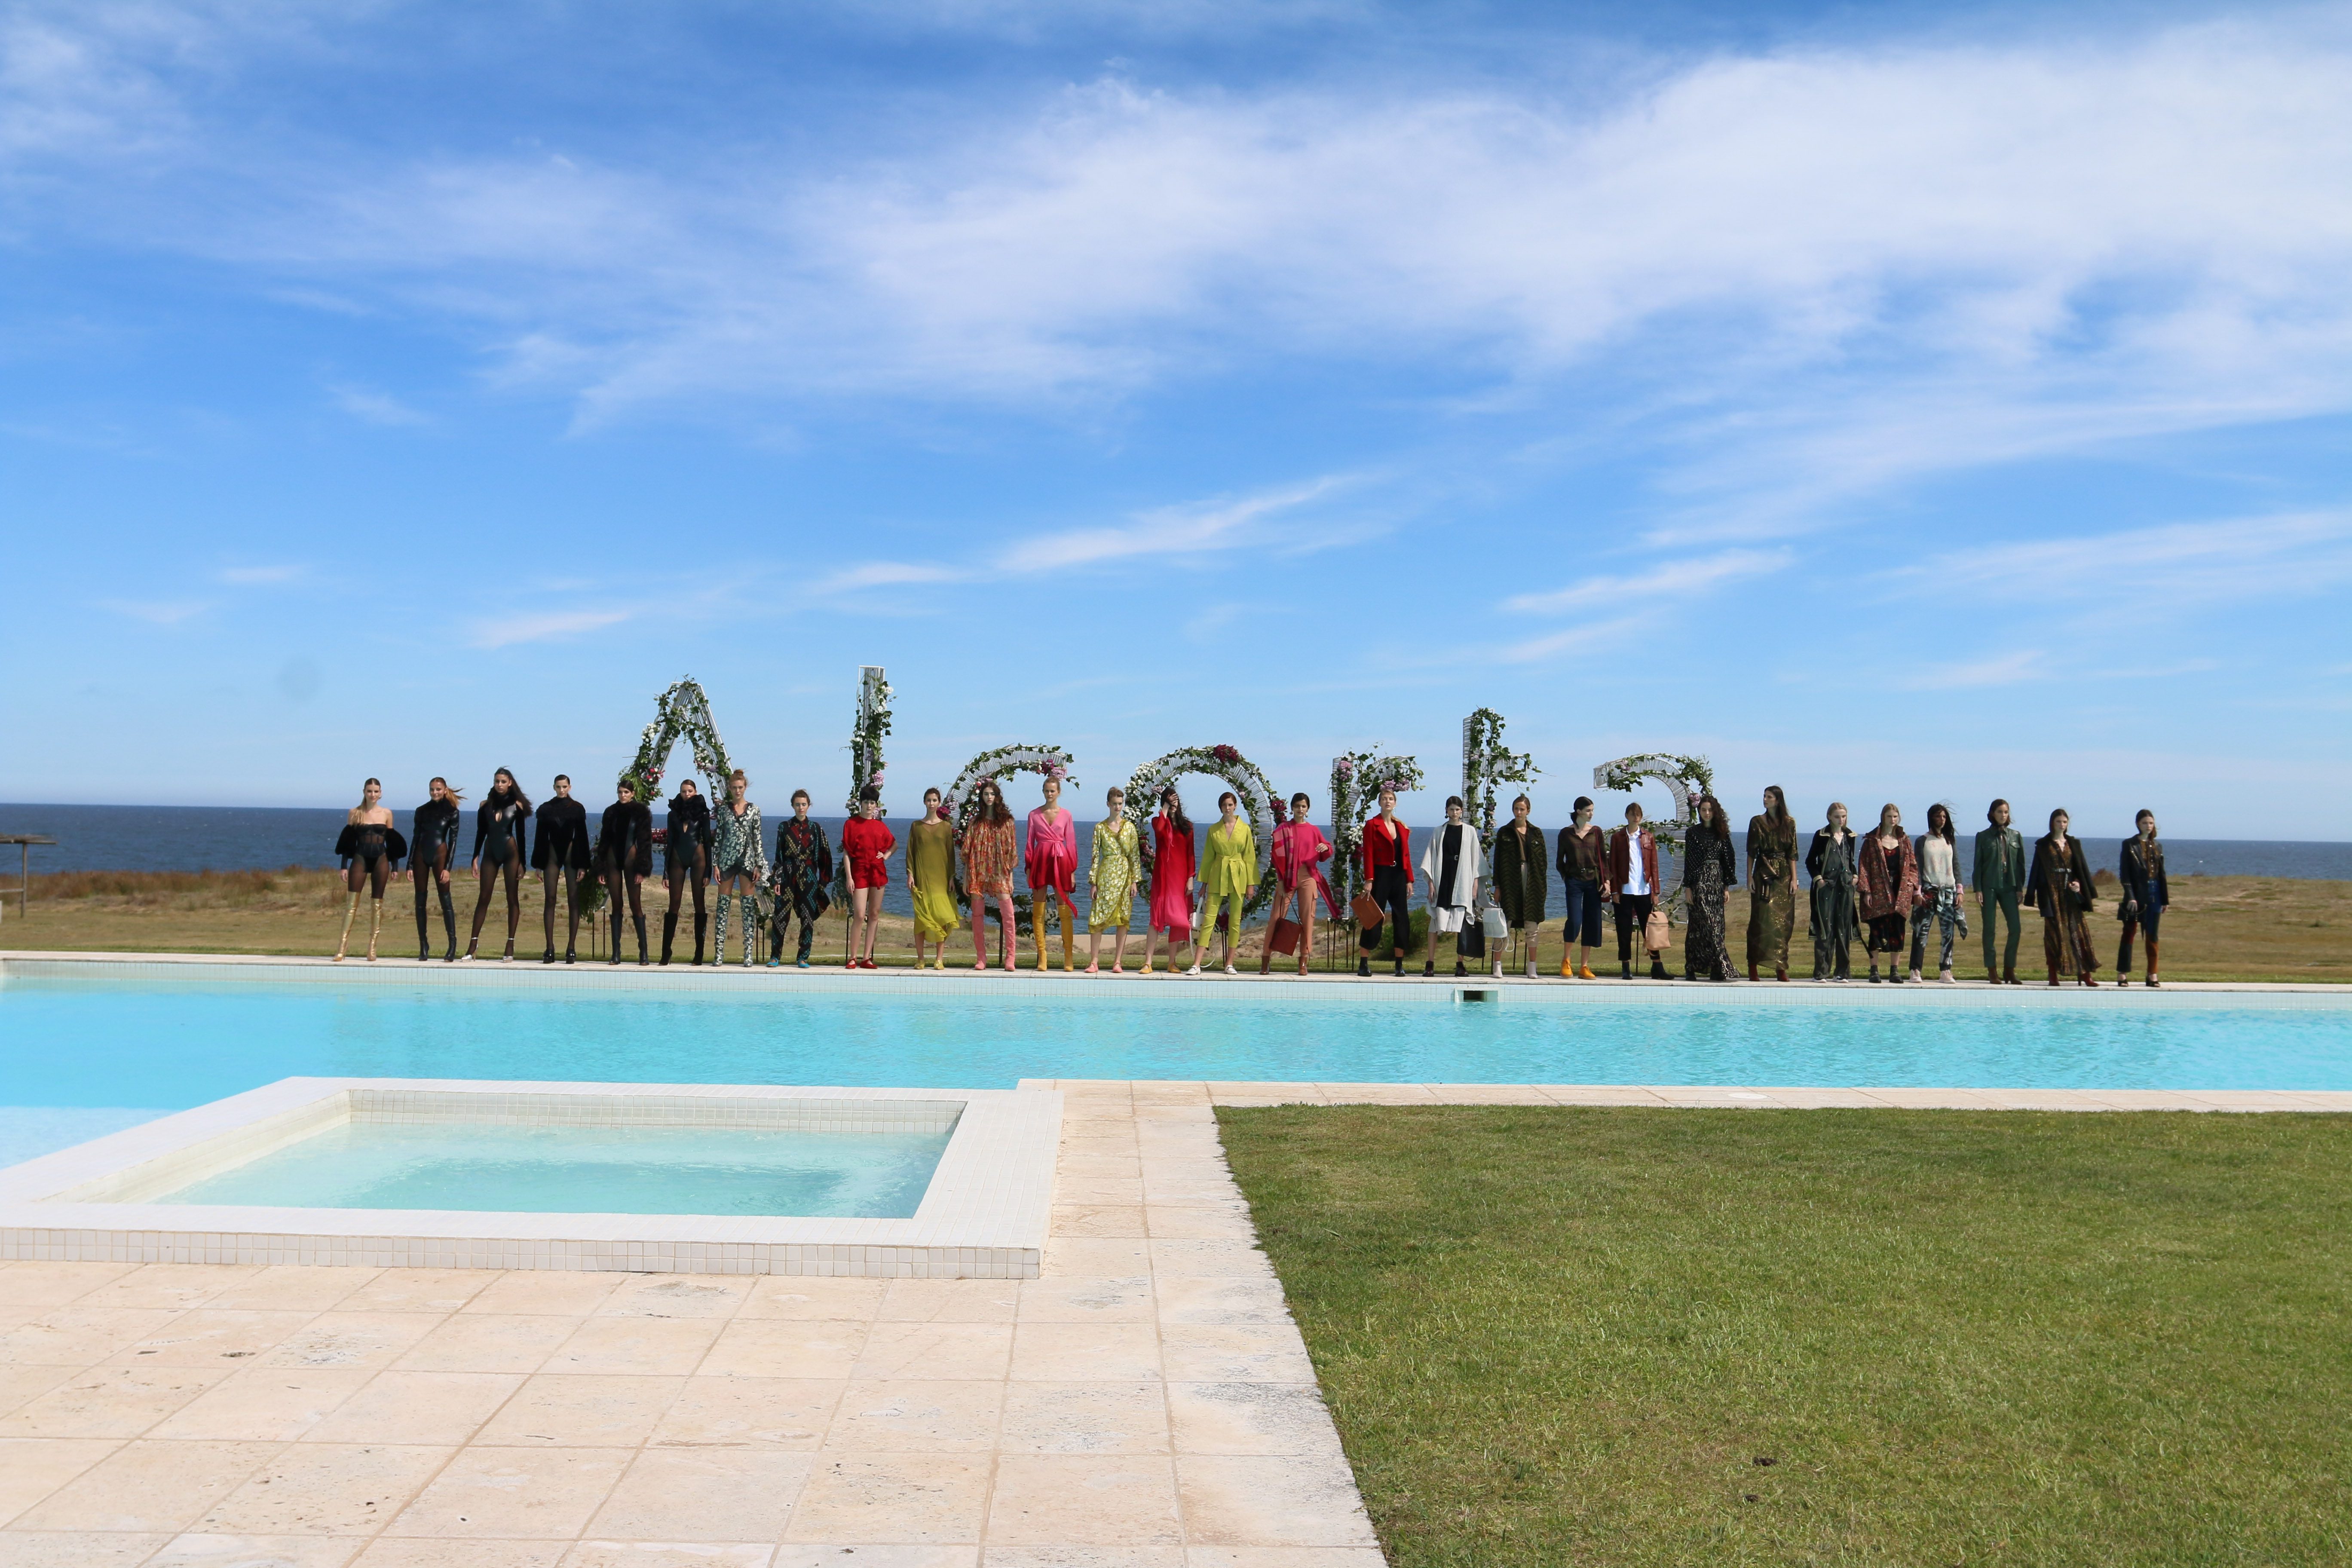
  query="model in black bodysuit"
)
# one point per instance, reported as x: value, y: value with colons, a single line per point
x: 686, y: 858
x: 368, y: 847
x: 625, y: 856
x: 432, y: 849
x: 498, y: 843
x: 561, y: 852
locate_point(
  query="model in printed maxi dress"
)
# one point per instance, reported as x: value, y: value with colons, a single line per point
x: 1771, y: 884
x: 1518, y: 879
x: 368, y: 847
x: 1832, y: 864
x: 803, y: 871
x: 1709, y: 869
x: 1051, y: 864
x: 1168, y: 908
x: 990, y: 850
x: 738, y: 863
x: 1297, y: 855
x: 1118, y: 864
x: 930, y: 879
x: 1228, y: 874
x: 2059, y: 886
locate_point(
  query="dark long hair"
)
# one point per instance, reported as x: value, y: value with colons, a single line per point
x: 993, y: 811
x: 1776, y: 811
x: 1173, y: 805
x: 1945, y: 832
x: 515, y: 796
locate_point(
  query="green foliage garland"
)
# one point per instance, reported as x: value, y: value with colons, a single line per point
x: 1357, y: 779
x: 1485, y: 763
x: 1241, y: 775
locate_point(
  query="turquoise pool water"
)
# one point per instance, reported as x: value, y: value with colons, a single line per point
x: 587, y: 1170
x: 78, y: 1058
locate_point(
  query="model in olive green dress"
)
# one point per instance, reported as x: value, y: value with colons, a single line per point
x: 1111, y: 880
x: 1771, y: 884
x: 930, y: 879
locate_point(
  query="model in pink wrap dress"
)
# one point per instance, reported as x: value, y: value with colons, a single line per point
x: 1051, y: 860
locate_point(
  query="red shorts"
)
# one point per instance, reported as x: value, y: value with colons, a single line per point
x: 874, y: 875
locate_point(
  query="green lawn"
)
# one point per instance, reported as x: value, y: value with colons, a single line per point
x: 1641, y: 1336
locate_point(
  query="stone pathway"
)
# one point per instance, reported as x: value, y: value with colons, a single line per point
x: 1147, y: 1404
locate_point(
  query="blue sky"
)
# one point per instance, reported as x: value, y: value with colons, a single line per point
x: 1892, y: 402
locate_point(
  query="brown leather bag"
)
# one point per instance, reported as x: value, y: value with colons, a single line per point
x: 1283, y: 938
x: 1367, y: 909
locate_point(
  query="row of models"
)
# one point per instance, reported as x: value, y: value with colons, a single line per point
x: 1874, y: 888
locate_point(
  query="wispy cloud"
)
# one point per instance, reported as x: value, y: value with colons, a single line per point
x: 886, y: 575
x: 157, y: 612
x: 548, y: 626
x: 2001, y: 669
x: 376, y: 408
x: 1576, y: 640
x: 1682, y: 576
x: 263, y: 576
x: 2137, y: 570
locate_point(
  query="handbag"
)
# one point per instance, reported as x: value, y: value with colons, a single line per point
x: 1367, y: 911
x: 1657, y: 932
x: 1471, y: 940
x: 1283, y: 938
x: 1498, y: 928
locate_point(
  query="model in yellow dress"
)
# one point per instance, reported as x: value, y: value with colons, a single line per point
x: 1228, y: 876
x: 1111, y: 882
x: 931, y: 878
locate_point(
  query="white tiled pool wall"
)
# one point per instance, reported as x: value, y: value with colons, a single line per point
x: 984, y: 1216
x: 419, y: 1106
x: 1509, y: 990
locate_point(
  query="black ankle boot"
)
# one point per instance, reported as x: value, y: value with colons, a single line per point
x: 1625, y: 969
x: 669, y: 934
x: 1363, y: 968
x: 548, y: 957
x: 1459, y: 972
x: 1428, y: 969
x: 1400, y: 969
x: 1658, y: 971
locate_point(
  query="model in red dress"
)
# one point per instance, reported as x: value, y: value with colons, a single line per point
x: 1173, y: 860
x: 866, y: 842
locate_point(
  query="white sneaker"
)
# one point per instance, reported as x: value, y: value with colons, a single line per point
x: 1194, y: 970
x: 1229, y: 968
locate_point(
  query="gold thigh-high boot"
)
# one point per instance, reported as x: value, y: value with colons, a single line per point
x: 351, y: 913
x: 1069, y: 914
x: 375, y: 928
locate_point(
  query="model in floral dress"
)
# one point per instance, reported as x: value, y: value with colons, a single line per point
x: 738, y: 864
x: 1709, y: 869
x: 1111, y: 881
x: 803, y: 870
x: 991, y: 848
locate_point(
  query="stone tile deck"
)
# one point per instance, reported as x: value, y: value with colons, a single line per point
x: 1147, y: 1404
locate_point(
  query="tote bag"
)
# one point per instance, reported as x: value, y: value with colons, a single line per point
x: 1657, y: 932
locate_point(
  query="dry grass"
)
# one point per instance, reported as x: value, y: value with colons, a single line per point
x: 2219, y: 928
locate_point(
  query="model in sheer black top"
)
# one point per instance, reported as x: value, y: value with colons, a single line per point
x: 368, y: 847
x: 431, y: 850
x: 686, y: 858
x: 559, y: 853
x: 498, y: 847
x: 624, y: 856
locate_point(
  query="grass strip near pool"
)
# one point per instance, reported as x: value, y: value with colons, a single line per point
x: 1641, y: 1336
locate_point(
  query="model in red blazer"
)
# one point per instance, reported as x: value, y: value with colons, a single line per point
x: 1383, y: 848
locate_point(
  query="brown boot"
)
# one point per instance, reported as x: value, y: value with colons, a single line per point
x: 2152, y: 981
x: 2009, y: 975
x: 1751, y: 974
x: 2054, y: 979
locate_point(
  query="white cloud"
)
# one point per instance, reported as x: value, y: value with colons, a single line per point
x: 550, y: 626
x: 376, y: 408
x: 886, y: 575
x: 1671, y: 578
x: 263, y: 576
x: 156, y: 612
x: 1814, y: 271
x: 2001, y: 669
x: 2137, y: 570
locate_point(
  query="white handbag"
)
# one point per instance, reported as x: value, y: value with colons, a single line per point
x: 1498, y: 929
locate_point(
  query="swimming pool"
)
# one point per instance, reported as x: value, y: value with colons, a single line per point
x: 87, y: 1048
